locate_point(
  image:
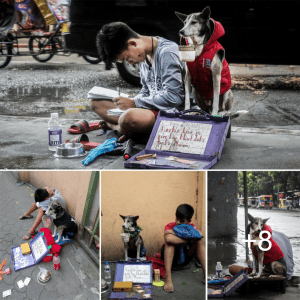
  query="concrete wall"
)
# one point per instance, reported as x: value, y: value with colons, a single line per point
x: 72, y: 185
x: 154, y: 197
x: 222, y: 203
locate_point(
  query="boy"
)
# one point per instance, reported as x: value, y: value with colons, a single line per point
x: 161, y: 73
x: 42, y: 198
x: 173, y: 243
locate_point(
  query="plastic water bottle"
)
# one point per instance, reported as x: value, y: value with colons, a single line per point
x: 56, y: 262
x: 219, y: 269
x: 107, y: 274
x: 54, y: 132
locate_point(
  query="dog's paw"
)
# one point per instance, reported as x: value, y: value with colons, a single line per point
x: 257, y: 276
x: 56, y: 241
x: 252, y: 274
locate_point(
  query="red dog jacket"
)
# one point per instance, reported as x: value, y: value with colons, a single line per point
x: 200, y: 68
x: 274, y: 253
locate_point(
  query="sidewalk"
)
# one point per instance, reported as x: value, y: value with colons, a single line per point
x: 78, y: 277
x: 252, y: 145
x: 187, y: 285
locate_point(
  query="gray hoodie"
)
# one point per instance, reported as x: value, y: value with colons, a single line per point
x: 163, y: 87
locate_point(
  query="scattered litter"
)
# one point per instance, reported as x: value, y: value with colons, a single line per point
x: 44, y: 276
x: 26, y: 281
x: 6, y: 293
x: 196, y: 271
x: 20, y: 284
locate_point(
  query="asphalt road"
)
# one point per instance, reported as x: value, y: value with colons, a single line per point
x: 267, y: 137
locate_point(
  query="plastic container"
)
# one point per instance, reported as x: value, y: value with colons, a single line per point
x: 107, y: 274
x: 47, y: 221
x: 56, y: 262
x: 219, y: 270
x: 187, y: 53
x: 54, y: 132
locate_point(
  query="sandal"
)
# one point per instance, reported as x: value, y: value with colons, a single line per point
x: 29, y: 235
x: 25, y: 218
x: 84, y: 140
x: 83, y: 126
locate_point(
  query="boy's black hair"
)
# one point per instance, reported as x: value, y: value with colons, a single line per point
x: 40, y: 195
x: 184, y: 211
x: 112, y: 40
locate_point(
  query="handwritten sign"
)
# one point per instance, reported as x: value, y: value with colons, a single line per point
x: 39, y: 248
x: 185, y: 137
x: 137, y: 273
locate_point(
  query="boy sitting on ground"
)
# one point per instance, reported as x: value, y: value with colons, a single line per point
x: 42, y: 198
x: 172, y: 251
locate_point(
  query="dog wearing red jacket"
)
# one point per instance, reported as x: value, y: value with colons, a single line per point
x: 272, y: 259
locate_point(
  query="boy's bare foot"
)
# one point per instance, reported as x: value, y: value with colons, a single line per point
x: 203, y: 281
x: 168, y: 287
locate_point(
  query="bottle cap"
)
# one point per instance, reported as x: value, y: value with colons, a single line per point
x: 54, y: 115
x: 106, y: 262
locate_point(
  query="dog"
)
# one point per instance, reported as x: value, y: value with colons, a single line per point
x: 64, y: 223
x: 209, y: 73
x: 135, y: 244
x: 275, y: 268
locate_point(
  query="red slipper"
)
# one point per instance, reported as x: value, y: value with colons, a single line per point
x: 83, y: 126
x: 84, y: 140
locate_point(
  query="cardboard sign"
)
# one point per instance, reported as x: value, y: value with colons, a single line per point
x: 181, y: 137
x: 137, y: 273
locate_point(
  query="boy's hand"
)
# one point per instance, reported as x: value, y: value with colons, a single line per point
x: 124, y: 103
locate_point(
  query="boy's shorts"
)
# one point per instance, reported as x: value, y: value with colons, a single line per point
x: 189, y: 254
x: 155, y: 112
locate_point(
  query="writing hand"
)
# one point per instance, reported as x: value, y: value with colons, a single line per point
x: 124, y: 103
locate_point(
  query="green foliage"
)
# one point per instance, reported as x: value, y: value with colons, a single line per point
x: 268, y: 182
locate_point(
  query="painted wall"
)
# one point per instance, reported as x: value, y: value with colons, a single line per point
x: 154, y: 197
x: 222, y: 204
x: 72, y: 185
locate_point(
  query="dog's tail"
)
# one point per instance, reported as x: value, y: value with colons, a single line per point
x: 236, y: 114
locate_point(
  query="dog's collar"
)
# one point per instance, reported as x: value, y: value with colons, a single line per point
x: 134, y: 233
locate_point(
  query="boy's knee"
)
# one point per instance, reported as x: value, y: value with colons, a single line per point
x: 129, y: 120
x: 92, y: 104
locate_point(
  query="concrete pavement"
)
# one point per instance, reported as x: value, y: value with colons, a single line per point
x: 78, y: 277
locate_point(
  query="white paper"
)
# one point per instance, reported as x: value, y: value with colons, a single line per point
x: 184, y: 137
x: 38, y: 248
x: 20, y: 284
x: 6, y: 293
x: 115, y: 111
x: 102, y: 93
x: 137, y: 273
x: 27, y: 280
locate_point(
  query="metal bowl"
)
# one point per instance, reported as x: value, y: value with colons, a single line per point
x: 69, y: 150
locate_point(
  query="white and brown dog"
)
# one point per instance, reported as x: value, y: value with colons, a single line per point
x: 209, y: 73
x: 134, y: 245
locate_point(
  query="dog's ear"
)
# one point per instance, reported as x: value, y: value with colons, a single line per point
x: 122, y: 217
x: 136, y: 218
x: 265, y: 221
x: 251, y: 219
x: 206, y: 13
x: 181, y: 16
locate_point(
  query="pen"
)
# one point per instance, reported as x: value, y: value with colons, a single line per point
x: 118, y: 89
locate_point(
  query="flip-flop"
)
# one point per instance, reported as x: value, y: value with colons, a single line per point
x: 30, y: 235
x: 84, y: 140
x: 25, y: 218
x: 83, y: 126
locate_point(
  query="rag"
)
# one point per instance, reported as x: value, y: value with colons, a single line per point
x: 185, y: 231
x: 107, y: 146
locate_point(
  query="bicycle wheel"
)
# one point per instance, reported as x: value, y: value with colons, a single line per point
x: 36, y: 45
x: 91, y: 59
x: 5, y: 50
